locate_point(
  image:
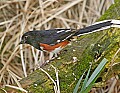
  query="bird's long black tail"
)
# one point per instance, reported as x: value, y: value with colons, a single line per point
x: 98, y: 26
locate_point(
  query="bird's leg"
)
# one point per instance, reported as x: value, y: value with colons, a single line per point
x: 51, y: 57
x: 56, y: 55
x: 51, y: 54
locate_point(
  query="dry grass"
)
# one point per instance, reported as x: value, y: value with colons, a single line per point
x: 19, y: 16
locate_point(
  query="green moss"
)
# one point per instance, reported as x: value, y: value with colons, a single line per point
x: 113, y: 12
x: 110, y: 15
x: 45, y: 87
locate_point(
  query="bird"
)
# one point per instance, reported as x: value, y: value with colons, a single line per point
x: 54, y: 40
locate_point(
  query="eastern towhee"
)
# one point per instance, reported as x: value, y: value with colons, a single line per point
x: 54, y: 40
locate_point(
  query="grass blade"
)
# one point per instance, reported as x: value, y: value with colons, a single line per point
x: 85, y: 81
x: 78, y: 83
x: 97, y: 71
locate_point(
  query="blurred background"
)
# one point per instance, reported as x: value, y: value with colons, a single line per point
x: 20, y: 16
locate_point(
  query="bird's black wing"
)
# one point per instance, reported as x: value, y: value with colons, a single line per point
x: 53, y: 36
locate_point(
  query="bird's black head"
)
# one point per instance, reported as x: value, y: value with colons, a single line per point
x: 30, y: 38
x: 26, y: 38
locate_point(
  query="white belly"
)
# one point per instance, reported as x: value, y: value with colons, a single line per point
x: 57, y: 50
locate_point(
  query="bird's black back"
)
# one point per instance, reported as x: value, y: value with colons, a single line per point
x: 51, y: 36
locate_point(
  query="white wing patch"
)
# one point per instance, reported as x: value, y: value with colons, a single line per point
x: 64, y: 30
x: 60, y: 31
x: 67, y: 37
x: 58, y: 41
x: 68, y: 30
